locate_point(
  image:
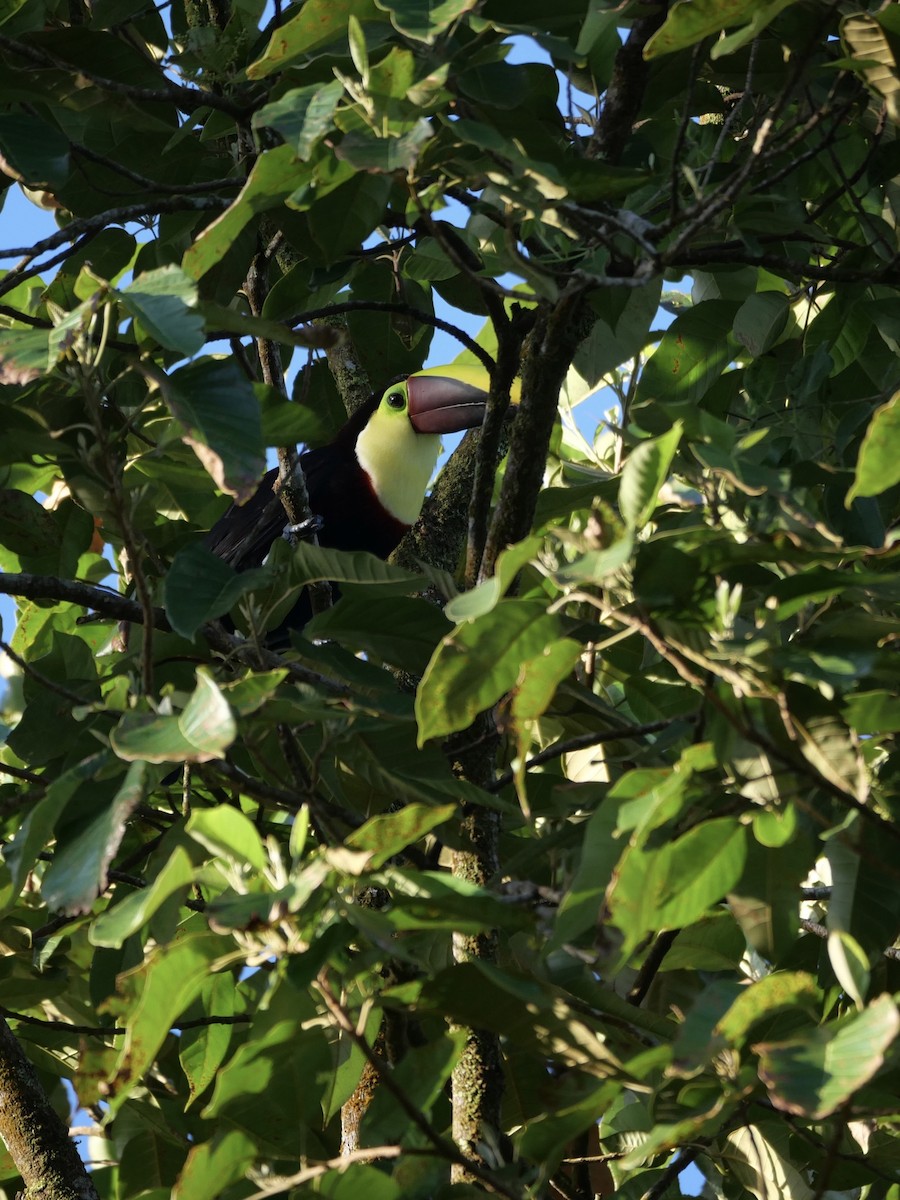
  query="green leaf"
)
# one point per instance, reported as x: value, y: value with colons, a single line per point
x: 385, y: 154
x: 213, y: 1165
x: 202, y: 732
x: 693, y: 353
x: 674, y: 885
x: 478, y: 663
x: 622, y: 331
x: 754, y: 1157
x: 388, y: 834
x: 765, y: 899
x: 319, y: 23
x: 199, y: 586
x: 274, y: 176
x: 866, y: 39
x: 400, y: 630
x: 26, y: 527
x: 814, y: 1075
x: 33, y: 151
x: 25, y: 355
x: 218, y: 408
x: 202, y: 1051
x: 595, y: 565
x: 645, y: 471
x: 425, y: 20
x: 761, y: 320
x: 878, y: 465
x: 343, y: 217
x: 358, y: 51
x: 207, y: 722
x: 782, y: 990
x: 481, y: 599
x: 225, y: 831
x: 8, y: 9
x: 151, y: 997
x: 302, y: 115
x: 689, y: 21
x: 114, y: 926
x: 850, y: 964
x: 164, y: 303
x: 599, y: 853
x: 36, y: 830
x: 312, y: 563
x: 422, y: 1074
x: 539, y: 677
x: 77, y: 875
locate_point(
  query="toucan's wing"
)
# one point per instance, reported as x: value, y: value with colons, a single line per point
x: 243, y: 535
x: 343, y: 496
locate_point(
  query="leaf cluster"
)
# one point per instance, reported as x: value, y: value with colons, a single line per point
x: 623, y: 803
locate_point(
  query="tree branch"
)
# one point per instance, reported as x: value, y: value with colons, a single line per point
x: 548, y: 355
x: 115, y: 216
x: 37, y: 1139
x: 582, y: 741
x: 408, y: 310
x: 625, y: 93
x: 187, y: 99
x: 120, y: 608
x: 445, y: 1148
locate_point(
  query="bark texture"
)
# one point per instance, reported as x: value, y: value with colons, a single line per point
x: 37, y: 1139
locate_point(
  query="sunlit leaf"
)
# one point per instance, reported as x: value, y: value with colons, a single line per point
x: 476, y: 664
x: 645, y: 472
x: 150, y: 998
x: 878, y: 466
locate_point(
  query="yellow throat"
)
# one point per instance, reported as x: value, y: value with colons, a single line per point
x: 398, y: 461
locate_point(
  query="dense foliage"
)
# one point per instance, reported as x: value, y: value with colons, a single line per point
x: 582, y: 867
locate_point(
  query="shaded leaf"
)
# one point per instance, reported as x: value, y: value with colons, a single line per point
x: 319, y: 23
x: 219, y: 410
x: 200, y: 586
x: 77, y: 874
x: 814, y: 1075
x: 164, y: 304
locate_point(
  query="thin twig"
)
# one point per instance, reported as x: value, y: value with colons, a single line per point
x: 152, y: 185
x: 683, y: 1159
x: 285, y: 1183
x: 650, y: 967
x: 820, y: 931
x: 116, y: 1030
x: 27, y: 269
x: 120, y: 608
x: 21, y: 773
x: 115, y: 216
x: 444, y: 1147
x: 583, y: 741
x: 409, y: 310
x: 187, y: 99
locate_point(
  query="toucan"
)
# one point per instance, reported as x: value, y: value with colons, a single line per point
x: 367, y: 486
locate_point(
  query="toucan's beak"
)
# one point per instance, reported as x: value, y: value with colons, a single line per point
x: 440, y: 404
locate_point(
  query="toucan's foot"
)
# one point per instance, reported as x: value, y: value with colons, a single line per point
x: 303, y: 530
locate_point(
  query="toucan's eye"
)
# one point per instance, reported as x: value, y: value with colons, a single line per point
x: 396, y: 400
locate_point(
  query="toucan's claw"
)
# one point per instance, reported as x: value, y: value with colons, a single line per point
x: 303, y: 530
